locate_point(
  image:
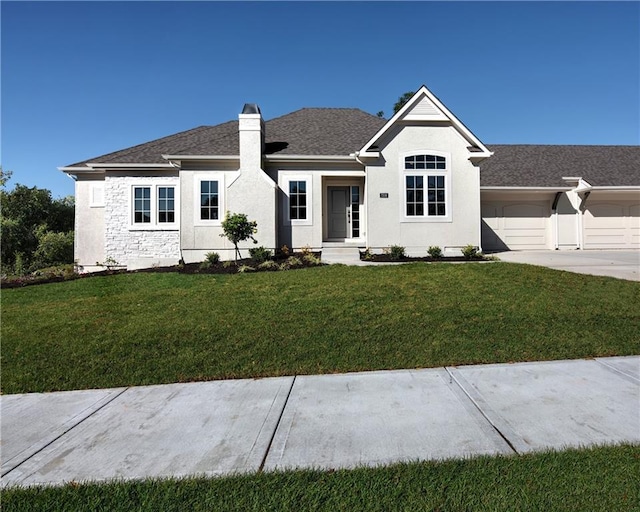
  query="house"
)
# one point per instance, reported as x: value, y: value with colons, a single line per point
x: 323, y: 177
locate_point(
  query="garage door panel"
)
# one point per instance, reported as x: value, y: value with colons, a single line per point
x: 612, y: 225
x: 512, y: 225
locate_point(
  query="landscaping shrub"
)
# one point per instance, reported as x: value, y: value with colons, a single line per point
x: 470, y: 252
x: 210, y: 259
x: 435, y: 252
x: 396, y: 252
x: 260, y: 254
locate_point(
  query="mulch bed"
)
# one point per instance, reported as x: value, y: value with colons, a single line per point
x: 386, y: 258
x: 188, y: 268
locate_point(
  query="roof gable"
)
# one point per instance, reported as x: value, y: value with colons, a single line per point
x: 425, y: 106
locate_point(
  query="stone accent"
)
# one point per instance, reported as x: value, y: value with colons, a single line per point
x: 127, y: 245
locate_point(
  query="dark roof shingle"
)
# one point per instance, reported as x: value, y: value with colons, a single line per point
x: 308, y: 131
x: 522, y: 165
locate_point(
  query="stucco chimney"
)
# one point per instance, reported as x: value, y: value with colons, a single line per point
x: 251, y: 129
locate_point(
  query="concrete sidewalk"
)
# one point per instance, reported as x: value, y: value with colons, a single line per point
x: 320, y: 421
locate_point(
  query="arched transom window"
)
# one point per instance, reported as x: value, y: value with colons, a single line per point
x: 425, y: 183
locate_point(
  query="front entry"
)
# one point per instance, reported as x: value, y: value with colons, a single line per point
x: 338, y: 208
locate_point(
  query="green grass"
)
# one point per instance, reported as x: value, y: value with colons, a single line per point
x: 147, y: 328
x: 594, y: 479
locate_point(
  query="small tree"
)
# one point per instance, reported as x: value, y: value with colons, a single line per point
x: 237, y: 228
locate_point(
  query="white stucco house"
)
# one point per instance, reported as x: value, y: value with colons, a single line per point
x: 322, y: 177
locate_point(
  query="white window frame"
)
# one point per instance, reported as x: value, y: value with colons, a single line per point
x: 286, y: 215
x: 222, y: 211
x: 154, y: 225
x: 425, y: 173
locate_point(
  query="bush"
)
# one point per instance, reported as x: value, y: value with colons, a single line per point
x: 53, y: 249
x: 293, y: 261
x: 212, y: 257
x: 310, y: 259
x: 470, y: 252
x: 396, y: 252
x: 268, y: 265
x: 245, y: 268
x: 435, y: 252
x: 260, y: 254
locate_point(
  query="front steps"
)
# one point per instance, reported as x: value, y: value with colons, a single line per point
x: 342, y: 254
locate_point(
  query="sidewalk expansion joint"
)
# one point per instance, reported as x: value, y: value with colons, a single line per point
x: 46, y: 445
x: 627, y: 376
x: 475, y: 400
x: 275, y: 429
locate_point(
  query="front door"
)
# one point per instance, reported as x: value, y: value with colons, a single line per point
x: 338, y: 210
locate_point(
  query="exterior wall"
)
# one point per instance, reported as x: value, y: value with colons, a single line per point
x: 313, y: 233
x: 248, y: 192
x: 386, y: 224
x: 89, y: 233
x: 130, y: 245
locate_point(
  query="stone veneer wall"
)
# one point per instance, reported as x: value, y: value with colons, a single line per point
x: 128, y: 246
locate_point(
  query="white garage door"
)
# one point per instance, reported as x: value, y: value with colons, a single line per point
x: 508, y: 225
x: 612, y: 225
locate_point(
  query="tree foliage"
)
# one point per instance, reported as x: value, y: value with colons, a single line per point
x: 29, y: 214
x: 402, y: 100
x: 236, y: 227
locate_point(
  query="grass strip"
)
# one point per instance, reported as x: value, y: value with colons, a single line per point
x: 594, y: 479
x: 147, y: 328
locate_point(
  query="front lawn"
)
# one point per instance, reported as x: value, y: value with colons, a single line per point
x: 600, y: 478
x: 151, y: 328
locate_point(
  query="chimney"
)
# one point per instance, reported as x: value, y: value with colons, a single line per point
x: 251, y: 129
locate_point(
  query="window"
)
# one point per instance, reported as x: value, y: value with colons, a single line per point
x: 142, y: 205
x: 154, y: 207
x: 425, y: 186
x: 297, y: 207
x: 166, y: 204
x: 298, y: 200
x: 355, y: 211
x: 209, y: 200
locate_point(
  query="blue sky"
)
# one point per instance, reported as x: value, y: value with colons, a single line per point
x: 80, y: 79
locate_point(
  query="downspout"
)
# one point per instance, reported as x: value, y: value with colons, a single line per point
x: 554, y: 209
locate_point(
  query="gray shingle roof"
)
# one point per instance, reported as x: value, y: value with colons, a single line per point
x: 341, y: 131
x: 308, y: 131
x: 522, y: 165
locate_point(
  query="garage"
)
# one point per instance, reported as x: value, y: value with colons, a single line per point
x: 516, y: 225
x: 612, y: 224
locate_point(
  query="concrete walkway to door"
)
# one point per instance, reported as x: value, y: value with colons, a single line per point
x: 622, y: 264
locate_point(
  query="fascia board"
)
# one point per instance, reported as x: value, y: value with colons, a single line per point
x: 618, y: 188
x: 95, y: 165
x: 201, y: 157
x: 309, y: 158
x: 525, y: 189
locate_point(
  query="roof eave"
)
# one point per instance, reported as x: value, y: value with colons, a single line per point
x: 524, y: 189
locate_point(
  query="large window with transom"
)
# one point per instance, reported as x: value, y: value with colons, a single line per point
x: 425, y: 180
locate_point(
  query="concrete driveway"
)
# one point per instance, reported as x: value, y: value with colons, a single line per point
x: 317, y: 421
x: 619, y: 264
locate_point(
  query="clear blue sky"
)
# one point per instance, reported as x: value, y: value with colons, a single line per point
x: 80, y: 79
